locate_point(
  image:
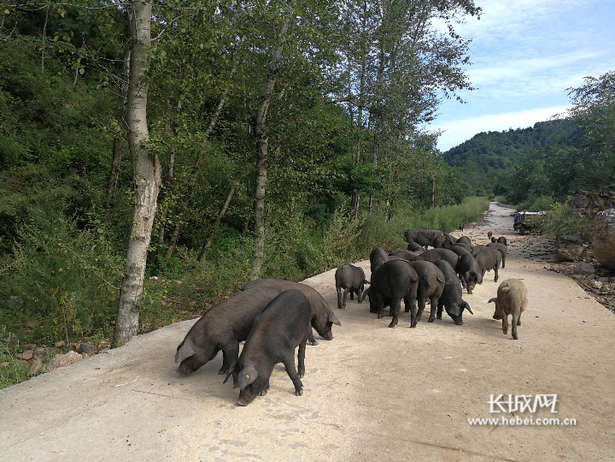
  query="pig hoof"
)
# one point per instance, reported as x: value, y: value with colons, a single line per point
x: 222, y: 371
x: 263, y: 392
x: 313, y: 342
x: 392, y: 324
x: 430, y: 319
x: 380, y: 315
x: 412, y: 326
x: 299, y: 392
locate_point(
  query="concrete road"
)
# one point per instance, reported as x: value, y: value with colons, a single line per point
x: 371, y: 394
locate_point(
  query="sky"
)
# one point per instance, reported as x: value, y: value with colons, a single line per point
x: 525, y: 54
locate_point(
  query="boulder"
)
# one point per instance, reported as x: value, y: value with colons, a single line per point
x: 65, y: 360
x: 604, y: 238
x: 569, y: 249
x: 584, y: 269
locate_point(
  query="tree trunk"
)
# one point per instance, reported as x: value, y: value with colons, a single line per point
x: 212, y: 235
x: 146, y: 176
x: 262, y: 150
x: 44, y: 39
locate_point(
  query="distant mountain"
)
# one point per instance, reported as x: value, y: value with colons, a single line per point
x: 486, y: 154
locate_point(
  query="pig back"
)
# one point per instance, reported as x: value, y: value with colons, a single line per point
x: 231, y: 317
x: 283, y: 324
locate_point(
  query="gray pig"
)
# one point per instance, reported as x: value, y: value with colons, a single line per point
x: 489, y: 259
x: 465, y: 241
x: 469, y: 272
x: 405, y: 254
x: 460, y: 250
x: 414, y: 247
x: 500, y: 248
x: 222, y: 327
x: 451, y: 299
x: 426, y: 236
x: 435, y: 255
x: 511, y: 300
x: 283, y: 326
x: 322, y: 315
x: 431, y: 285
x: 391, y: 282
x: 349, y: 278
x: 377, y: 257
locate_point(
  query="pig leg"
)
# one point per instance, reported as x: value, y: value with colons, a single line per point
x: 515, y: 320
x: 505, y: 324
x: 440, y: 308
x: 344, y: 299
x: 504, y: 261
x: 339, y: 297
x: 351, y: 293
x: 496, y: 272
x: 395, y: 309
x: 421, y: 309
x: 311, y: 340
x: 432, y: 314
x: 230, y: 353
x: 289, y: 363
x: 301, y: 359
x: 264, y: 390
x: 411, y: 302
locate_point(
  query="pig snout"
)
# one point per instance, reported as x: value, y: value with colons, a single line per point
x: 246, y: 396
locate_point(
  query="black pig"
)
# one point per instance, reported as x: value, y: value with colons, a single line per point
x: 469, y: 272
x: 489, y: 259
x: 433, y: 255
x: 222, y: 327
x: 451, y: 299
x: 283, y: 326
x: 322, y: 316
x: 391, y: 282
x: 349, y: 278
x: 431, y: 285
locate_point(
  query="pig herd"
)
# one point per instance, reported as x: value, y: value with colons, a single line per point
x: 275, y: 317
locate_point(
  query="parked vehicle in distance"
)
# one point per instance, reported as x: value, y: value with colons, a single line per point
x: 524, y: 221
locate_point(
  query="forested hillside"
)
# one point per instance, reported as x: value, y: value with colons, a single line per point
x: 488, y: 154
x: 540, y: 167
x: 215, y: 142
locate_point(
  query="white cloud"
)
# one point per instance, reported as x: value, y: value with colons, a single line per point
x: 458, y: 131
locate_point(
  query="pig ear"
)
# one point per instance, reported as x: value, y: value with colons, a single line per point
x: 468, y: 308
x: 454, y: 310
x: 247, y: 376
x: 493, y: 300
x: 230, y: 370
x: 479, y: 277
x: 184, y: 351
x: 332, y: 318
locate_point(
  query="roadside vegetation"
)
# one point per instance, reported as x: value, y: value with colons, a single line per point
x: 284, y: 139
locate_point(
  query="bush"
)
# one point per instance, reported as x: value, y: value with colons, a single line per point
x: 64, y: 279
x: 562, y: 221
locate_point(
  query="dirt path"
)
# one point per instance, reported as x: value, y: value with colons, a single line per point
x: 373, y: 393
